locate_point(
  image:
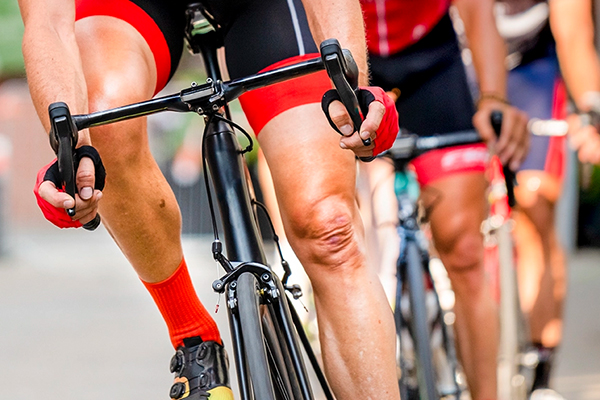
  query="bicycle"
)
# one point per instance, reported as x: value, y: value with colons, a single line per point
x: 266, y: 331
x: 423, y: 324
x: 517, y: 358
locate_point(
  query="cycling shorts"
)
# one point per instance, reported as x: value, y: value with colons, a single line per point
x: 538, y: 89
x: 258, y: 35
x: 435, y: 98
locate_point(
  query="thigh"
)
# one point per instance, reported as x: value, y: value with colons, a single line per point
x: 116, y: 34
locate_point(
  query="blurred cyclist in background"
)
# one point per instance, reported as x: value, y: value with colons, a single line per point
x: 414, y: 54
x: 551, y: 56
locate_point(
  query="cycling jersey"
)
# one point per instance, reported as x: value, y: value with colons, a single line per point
x: 393, y: 25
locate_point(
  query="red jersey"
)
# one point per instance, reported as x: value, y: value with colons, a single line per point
x: 393, y: 25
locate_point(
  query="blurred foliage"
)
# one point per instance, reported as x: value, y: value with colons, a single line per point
x: 11, y: 35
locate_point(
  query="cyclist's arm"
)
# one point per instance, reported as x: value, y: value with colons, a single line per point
x: 343, y: 20
x: 51, y: 55
x: 54, y: 73
x: 486, y: 44
x: 489, y: 52
x: 573, y: 29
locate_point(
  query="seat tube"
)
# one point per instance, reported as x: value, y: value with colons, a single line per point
x: 229, y: 176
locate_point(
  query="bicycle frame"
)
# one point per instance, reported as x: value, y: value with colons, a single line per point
x: 514, y: 368
x: 413, y: 268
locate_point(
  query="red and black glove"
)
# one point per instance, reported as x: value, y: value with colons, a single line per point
x: 389, y: 127
x: 59, y: 216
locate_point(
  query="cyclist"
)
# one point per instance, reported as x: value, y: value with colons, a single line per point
x: 554, y: 48
x: 99, y: 54
x: 414, y: 53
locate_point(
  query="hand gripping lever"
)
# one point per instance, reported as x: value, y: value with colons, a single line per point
x: 63, y: 138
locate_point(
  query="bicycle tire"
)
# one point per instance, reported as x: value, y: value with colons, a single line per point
x: 418, y: 326
x: 266, y: 355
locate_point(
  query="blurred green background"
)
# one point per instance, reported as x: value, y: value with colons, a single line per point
x: 11, y: 32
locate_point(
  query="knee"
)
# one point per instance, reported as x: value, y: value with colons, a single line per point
x: 121, y: 142
x: 462, y: 255
x: 325, y: 235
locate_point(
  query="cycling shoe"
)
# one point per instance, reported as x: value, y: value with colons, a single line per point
x: 201, y: 371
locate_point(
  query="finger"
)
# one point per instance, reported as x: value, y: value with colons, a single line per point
x: 507, y: 154
x: 481, y: 122
x: 510, y: 128
x: 85, y: 178
x: 372, y: 120
x: 87, y: 209
x: 590, y: 153
x: 340, y: 117
x: 514, y: 136
x: 518, y: 158
x: 581, y: 137
x: 54, y: 197
x: 355, y: 143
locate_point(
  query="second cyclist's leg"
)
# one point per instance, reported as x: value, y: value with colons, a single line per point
x: 456, y: 216
x: 315, y: 185
x: 138, y: 207
x: 541, y: 264
x: 537, y: 88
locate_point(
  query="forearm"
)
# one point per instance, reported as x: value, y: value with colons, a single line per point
x: 486, y: 44
x: 53, y: 67
x: 342, y: 20
x: 572, y: 26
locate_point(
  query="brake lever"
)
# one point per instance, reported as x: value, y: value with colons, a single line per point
x: 63, y: 138
x: 509, y: 175
x: 343, y: 72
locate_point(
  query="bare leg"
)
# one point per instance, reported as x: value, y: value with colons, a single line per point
x: 541, y: 263
x: 379, y: 209
x: 315, y: 185
x: 138, y: 206
x: 456, y: 218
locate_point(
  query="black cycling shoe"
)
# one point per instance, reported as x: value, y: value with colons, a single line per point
x: 201, y: 371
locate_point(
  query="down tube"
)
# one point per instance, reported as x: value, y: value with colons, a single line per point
x: 228, y: 171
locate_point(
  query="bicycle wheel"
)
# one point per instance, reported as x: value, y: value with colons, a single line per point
x: 271, y: 375
x: 418, y: 327
x: 512, y: 383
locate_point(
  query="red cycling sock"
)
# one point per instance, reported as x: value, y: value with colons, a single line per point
x: 181, y: 309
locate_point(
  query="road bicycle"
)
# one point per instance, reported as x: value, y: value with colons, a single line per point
x: 513, y: 363
x: 266, y: 331
x: 517, y: 357
x: 427, y: 358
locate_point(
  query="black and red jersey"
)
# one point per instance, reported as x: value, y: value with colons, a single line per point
x: 393, y: 25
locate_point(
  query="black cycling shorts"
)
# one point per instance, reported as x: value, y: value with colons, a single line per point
x: 435, y: 98
x: 257, y: 35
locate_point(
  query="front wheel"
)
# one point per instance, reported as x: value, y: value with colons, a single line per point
x: 271, y: 377
x: 418, y: 326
